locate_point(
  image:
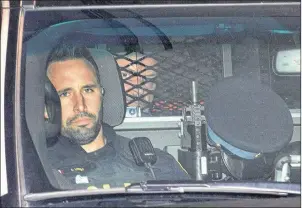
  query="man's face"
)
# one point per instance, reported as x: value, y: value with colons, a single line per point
x: 80, y: 95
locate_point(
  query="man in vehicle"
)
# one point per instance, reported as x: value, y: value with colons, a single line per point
x: 89, y: 153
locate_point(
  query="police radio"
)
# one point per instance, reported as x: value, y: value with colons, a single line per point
x: 143, y: 153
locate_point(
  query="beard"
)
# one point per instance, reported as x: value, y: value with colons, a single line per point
x: 82, y: 135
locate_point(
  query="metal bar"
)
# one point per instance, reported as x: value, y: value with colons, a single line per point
x: 194, y: 92
x: 29, y: 4
x: 227, y: 60
x: 155, y: 6
x: 4, y: 38
x: 172, y: 122
x: 18, y: 115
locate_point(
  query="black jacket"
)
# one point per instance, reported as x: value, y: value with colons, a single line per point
x: 111, y: 166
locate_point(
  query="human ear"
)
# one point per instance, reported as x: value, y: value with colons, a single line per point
x: 102, y: 90
x: 46, y: 117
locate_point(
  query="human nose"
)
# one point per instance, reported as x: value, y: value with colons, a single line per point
x: 79, y: 103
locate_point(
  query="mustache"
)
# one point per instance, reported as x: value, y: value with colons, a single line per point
x: 82, y: 114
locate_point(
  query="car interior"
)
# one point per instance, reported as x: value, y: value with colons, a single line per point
x: 216, y: 84
x: 176, y: 65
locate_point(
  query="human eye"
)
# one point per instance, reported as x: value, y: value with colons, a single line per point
x: 64, y: 94
x: 88, y: 90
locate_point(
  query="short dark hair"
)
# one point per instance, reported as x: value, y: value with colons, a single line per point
x: 63, y: 52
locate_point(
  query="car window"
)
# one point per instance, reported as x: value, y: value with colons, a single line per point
x: 158, y: 60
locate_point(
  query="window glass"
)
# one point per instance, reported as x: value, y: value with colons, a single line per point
x: 158, y: 59
x: 158, y: 78
x: 158, y: 67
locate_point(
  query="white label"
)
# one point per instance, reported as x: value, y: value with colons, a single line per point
x: 204, y: 166
x: 81, y: 179
x: 289, y: 61
x: 132, y: 112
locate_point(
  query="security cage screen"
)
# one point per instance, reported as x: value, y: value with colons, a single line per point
x: 159, y: 81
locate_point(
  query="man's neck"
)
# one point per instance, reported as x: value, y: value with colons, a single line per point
x: 96, y: 144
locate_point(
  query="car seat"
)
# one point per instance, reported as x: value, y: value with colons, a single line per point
x: 39, y: 91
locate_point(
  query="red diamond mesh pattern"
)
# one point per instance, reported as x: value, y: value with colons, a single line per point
x: 159, y: 81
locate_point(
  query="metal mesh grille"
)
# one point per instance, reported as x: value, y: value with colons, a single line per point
x: 159, y: 81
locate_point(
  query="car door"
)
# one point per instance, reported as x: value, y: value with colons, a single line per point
x: 4, y: 37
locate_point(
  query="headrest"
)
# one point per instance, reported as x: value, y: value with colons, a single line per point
x: 247, y: 118
x: 53, y: 108
x: 114, y: 107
